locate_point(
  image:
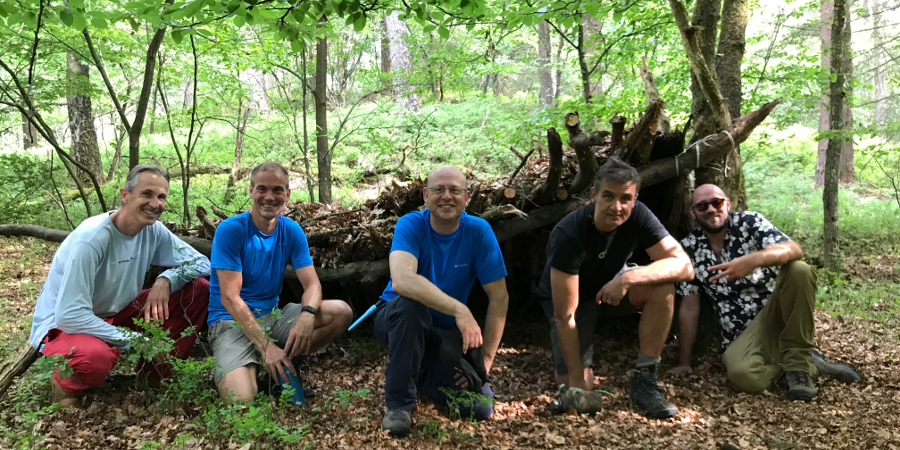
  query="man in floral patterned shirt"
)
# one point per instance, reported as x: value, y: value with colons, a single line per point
x: 763, y: 294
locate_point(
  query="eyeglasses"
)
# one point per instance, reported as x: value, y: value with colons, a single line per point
x: 439, y: 190
x: 716, y: 203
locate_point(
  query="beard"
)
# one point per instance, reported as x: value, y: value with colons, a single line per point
x: 712, y: 229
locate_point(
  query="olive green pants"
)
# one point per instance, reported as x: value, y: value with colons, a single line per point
x: 780, y: 337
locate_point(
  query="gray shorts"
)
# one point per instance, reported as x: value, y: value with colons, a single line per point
x: 586, y: 316
x: 233, y: 349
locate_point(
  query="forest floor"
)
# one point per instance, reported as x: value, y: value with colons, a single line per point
x: 712, y: 414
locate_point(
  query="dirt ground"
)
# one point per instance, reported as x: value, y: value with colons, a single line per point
x: 712, y: 414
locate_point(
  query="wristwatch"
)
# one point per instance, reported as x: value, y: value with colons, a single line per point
x: 309, y: 309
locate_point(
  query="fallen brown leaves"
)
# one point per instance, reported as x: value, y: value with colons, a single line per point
x: 713, y: 415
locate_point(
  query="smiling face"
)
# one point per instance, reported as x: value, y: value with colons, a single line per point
x: 269, y: 193
x: 446, y: 196
x: 704, y: 208
x: 146, y: 201
x: 613, y: 202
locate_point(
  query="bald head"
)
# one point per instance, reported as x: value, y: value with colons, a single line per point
x: 447, y: 172
x: 706, y: 192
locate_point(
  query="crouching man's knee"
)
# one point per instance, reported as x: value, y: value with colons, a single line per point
x: 748, y: 376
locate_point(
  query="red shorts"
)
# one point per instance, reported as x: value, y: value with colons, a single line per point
x: 91, y: 359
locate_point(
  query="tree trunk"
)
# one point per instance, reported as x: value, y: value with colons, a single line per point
x: 878, y: 57
x: 321, y: 95
x: 397, y: 32
x: 243, y: 116
x: 732, y: 42
x: 545, y: 74
x: 706, y: 15
x: 583, y: 67
x: 188, y: 94
x: 385, y: 48
x: 831, y: 230
x: 152, y: 127
x: 846, y: 171
x: 81, y: 119
x: 29, y: 134
x: 140, y: 113
x: 557, y: 79
x: 310, y: 186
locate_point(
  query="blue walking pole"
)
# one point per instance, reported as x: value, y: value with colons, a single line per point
x: 366, y: 314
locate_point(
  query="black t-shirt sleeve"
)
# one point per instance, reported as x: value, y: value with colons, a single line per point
x: 650, y: 230
x: 564, y: 253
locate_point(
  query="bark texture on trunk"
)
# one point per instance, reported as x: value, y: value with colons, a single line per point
x: 397, y: 31
x: 878, y: 58
x: 85, y: 148
x: 583, y: 67
x: 321, y: 95
x: 385, y: 48
x: 29, y: 134
x: 831, y: 229
x: 732, y: 43
x: 846, y: 172
x: 545, y: 73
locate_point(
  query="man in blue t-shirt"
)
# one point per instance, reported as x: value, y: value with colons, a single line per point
x: 249, y: 254
x: 435, y: 257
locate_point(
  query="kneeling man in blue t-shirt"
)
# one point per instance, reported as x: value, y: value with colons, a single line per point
x: 435, y: 257
x: 249, y: 255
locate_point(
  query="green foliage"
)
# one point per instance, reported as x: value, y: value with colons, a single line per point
x: 873, y: 299
x: 461, y: 400
x: 342, y: 398
x: 432, y: 430
x: 256, y: 423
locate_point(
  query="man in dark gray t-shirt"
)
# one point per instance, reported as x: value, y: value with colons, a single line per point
x: 585, y: 275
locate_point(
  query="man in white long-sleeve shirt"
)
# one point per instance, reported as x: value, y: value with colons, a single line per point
x: 95, y: 281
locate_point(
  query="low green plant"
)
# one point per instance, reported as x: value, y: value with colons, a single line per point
x: 432, y: 430
x: 342, y: 398
x: 461, y: 401
x: 256, y: 423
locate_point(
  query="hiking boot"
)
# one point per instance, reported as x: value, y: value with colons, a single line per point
x: 646, y: 394
x: 583, y: 402
x: 397, y: 422
x: 844, y: 373
x: 800, y: 387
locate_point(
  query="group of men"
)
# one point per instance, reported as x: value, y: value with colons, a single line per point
x: 763, y: 294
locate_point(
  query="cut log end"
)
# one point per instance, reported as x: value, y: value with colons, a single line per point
x: 509, y: 193
x: 572, y: 119
x: 562, y: 193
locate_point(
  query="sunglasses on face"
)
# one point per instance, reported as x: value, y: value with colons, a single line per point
x: 716, y: 203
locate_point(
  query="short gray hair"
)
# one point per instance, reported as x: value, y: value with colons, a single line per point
x: 270, y: 165
x: 132, y: 178
x: 617, y: 171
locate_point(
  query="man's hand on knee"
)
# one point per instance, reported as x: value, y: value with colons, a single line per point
x: 299, y: 340
x: 613, y: 292
x: 468, y: 326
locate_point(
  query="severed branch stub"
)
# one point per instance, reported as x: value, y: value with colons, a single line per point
x: 618, y: 131
x: 653, y: 94
x: 582, y: 143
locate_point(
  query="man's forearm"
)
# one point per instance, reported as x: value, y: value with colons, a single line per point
x: 569, y: 346
x: 312, y: 296
x: 668, y: 270
x: 425, y: 292
x: 777, y: 254
x: 241, y: 314
x: 494, y: 324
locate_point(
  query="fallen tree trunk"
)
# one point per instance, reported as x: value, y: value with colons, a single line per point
x: 16, y: 364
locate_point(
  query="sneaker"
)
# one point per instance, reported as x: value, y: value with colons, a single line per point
x: 583, y: 402
x: 844, y: 373
x: 800, y: 387
x: 646, y: 394
x: 397, y: 422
